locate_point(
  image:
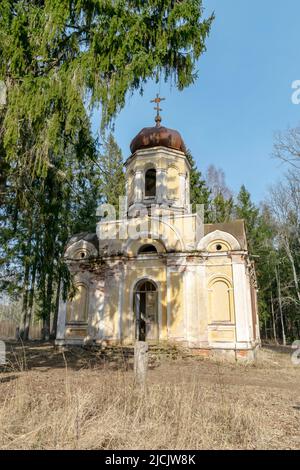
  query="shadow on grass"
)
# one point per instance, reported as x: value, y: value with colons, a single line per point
x: 45, y: 356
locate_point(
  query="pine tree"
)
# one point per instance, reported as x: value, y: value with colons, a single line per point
x: 199, y: 192
x: 220, y: 209
x: 221, y: 203
x: 246, y: 210
x: 113, y: 177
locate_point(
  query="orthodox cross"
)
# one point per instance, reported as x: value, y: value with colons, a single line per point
x: 157, y: 100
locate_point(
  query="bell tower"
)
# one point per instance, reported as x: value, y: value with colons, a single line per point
x: 157, y: 171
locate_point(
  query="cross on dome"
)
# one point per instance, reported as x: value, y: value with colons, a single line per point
x: 157, y: 108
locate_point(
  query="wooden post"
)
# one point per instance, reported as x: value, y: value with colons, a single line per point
x: 140, y: 362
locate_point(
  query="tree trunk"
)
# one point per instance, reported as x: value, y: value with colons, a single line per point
x: 298, y: 329
x: 25, y: 302
x: 55, y: 317
x: 273, y: 320
x: 280, y: 307
x: 291, y: 259
x: 266, y: 330
x: 30, y: 303
x: 48, y: 304
x: 46, y: 329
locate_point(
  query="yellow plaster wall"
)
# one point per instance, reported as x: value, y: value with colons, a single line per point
x: 221, y: 335
x: 111, y: 306
x: 162, y: 160
x: 173, y: 182
x: 179, y: 231
x: 177, y: 307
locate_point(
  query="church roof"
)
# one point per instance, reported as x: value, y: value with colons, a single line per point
x: 86, y: 236
x: 235, y: 228
x: 157, y: 136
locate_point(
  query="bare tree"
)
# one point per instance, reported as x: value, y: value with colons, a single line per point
x: 285, y: 205
x: 215, y: 180
x: 280, y: 306
x: 287, y: 147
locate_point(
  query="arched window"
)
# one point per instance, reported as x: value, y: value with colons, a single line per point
x: 150, y: 183
x: 148, y: 248
x: 77, y: 308
x: 221, y: 301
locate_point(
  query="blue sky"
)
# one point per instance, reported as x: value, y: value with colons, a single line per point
x: 242, y: 96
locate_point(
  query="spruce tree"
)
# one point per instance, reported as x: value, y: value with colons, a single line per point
x: 199, y: 192
x: 246, y: 210
x: 113, y: 177
x: 61, y: 59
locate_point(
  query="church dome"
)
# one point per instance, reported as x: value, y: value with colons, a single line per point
x: 157, y: 136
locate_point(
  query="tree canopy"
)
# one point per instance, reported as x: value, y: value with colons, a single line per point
x: 60, y: 59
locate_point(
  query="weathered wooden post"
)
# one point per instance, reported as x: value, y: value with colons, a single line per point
x: 140, y: 362
x: 2, y: 353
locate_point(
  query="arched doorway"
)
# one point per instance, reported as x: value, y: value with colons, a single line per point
x: 145, y: 303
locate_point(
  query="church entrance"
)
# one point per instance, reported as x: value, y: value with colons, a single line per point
x: 145, y: 310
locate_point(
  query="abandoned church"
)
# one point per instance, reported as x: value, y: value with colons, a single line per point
x: 157, y: 274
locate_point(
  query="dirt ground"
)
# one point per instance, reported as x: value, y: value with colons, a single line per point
x: 266, y: 393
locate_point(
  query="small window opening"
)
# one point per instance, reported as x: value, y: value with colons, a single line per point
x: 147, y: 249
x: 218, y: 247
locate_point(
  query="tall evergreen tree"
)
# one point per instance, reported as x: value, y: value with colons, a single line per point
x: 113, y: 177
x: 246, y: 210
x: 221, y: 201
x: 60, y: 58
x: 220, y: 209
x: 199, y: 192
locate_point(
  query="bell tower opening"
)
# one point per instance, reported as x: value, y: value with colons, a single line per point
x: 150, y: 183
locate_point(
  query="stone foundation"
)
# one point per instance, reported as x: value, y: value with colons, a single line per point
x: 231, y: 355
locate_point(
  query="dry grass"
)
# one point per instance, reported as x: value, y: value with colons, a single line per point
x: 100, y: 408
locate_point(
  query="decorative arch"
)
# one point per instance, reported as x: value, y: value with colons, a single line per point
x: 129, y: 247
x: 227, y: 241
x: 132, y: 247
x: 220, y: 299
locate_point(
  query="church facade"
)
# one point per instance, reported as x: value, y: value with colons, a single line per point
x: 158, y: 274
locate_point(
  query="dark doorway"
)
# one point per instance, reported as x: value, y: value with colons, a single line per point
x: 145, y: 309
